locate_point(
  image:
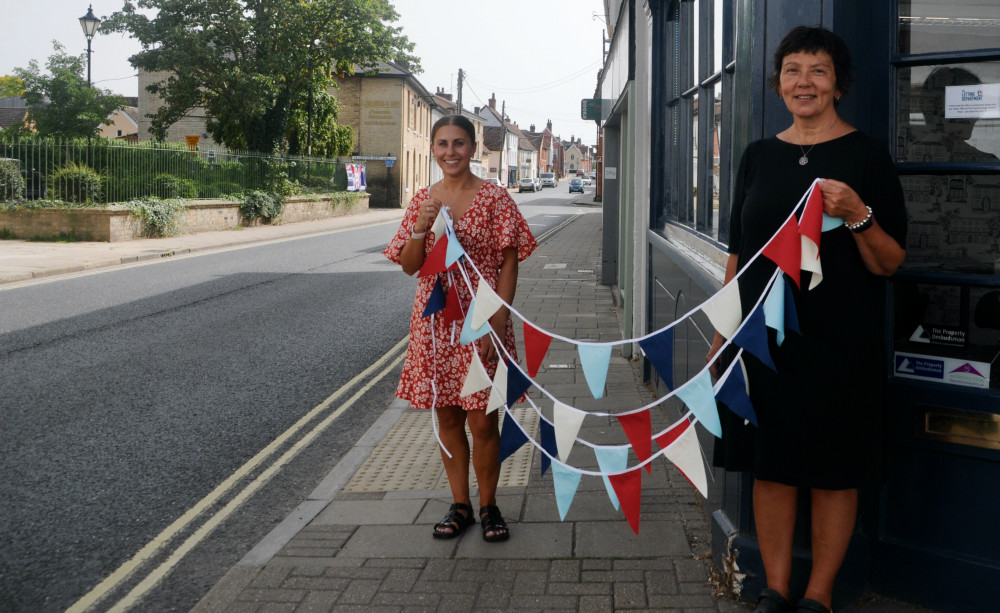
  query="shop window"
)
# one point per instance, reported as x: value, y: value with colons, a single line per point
x: 699, y: 71
x: 935, y: 26
x: 947, y: 135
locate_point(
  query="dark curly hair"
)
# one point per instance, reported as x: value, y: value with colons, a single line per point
x: 805, y: 39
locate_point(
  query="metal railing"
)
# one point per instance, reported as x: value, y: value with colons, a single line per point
x: 108, y: 171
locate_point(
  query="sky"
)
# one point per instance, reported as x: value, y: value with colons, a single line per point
x: 540, y: 56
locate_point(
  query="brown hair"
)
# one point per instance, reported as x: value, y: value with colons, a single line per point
x: 455, y: 120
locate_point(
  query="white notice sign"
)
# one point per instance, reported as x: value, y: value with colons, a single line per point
x: 972, y: 101
x: 611, y: 172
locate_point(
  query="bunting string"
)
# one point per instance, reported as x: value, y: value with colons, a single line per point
x: 793, y: 248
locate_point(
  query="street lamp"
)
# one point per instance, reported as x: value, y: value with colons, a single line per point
x: 89, y: 23
x: 309, y: 112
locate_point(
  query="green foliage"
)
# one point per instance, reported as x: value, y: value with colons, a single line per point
x: 76, y: 183
x: 11, y: 182
x: 249, y: 63
x: 258, y: 204
x: 11, y: 86
x: 61, y: 103
x: 342, y: 141
x: 344, y: 199
x: 159, y: 217
x: 169, y: 186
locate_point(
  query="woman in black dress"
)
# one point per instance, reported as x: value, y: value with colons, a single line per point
x: 819, y: 413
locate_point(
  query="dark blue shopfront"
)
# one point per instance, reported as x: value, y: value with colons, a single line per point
x: 928, y: 535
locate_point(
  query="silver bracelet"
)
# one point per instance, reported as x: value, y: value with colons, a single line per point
x: 862, y: 225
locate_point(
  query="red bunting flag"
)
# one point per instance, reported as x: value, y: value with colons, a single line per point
x: 664, y: 440
x: 639, y: 430
x: 536, y: 343
x: 785, y: 249
x: 453, y: 306
x: 435, y: 261
x: 628, y: 488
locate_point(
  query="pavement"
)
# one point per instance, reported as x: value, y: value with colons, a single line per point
x: 362, y: 540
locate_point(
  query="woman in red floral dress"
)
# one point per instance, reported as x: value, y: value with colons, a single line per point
x: 495, y: 237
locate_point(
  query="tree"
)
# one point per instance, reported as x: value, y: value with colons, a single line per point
x: 61, y: 103
x: 248, y: 63
x: 11, y: 86
x: 328, y: 138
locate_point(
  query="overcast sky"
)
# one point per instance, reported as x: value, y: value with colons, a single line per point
x: 540, y: 56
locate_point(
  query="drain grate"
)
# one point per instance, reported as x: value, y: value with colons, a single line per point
x: 408, y: 459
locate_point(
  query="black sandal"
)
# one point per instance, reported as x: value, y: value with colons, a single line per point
x: 492, y: 521
x: 454, y: 521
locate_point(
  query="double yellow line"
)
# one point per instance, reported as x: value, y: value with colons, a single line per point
x: 159, y: 545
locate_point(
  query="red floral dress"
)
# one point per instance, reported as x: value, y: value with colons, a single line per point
x: 490, y: 224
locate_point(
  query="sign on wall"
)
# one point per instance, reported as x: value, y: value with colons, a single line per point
x: 977, y: 101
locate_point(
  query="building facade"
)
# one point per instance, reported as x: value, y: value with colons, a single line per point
x: 391, y: 114
x: 685, y: 90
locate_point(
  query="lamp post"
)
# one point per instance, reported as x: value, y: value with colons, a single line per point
x: 89, y: 23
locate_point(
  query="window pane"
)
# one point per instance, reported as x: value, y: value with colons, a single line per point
x: 931, y: 130
x: 694, y: 159
x: 927, y: 26
x: 717, y: 37
x: 696, y: 48
x: 954, y: 222
x: 714, y: 183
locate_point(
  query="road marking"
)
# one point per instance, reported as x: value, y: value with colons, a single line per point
x: 160, y: 542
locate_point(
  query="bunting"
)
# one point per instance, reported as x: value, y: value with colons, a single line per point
x: 793, y: 248
x: 536, y: 344
x: 639, y: 431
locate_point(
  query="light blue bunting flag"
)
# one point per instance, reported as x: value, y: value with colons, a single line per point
x: 455, y: 250
x: 611, y: 460
x: 699, y: 396
x: 468, y: 334
x: 565, y: 481
x: 830, y: 223
x: 595, y: 359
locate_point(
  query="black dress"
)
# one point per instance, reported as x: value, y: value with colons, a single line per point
x: 820, y: 415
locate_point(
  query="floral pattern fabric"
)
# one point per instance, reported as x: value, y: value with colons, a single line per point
x: 436, y: 364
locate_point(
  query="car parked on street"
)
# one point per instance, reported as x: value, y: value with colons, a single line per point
x: 493, y: 180
x: 576, y: 185
x: 549, y: 179
x: 538, y: 183
x: 527, y: 184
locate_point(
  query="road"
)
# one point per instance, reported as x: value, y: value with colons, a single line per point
x: 159, y: 420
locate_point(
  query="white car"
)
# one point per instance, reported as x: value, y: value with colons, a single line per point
x: 549, y: 179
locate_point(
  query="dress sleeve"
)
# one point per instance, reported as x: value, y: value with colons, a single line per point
x: 510, y: 227
x: 884, y: 193
x: 405, y: 227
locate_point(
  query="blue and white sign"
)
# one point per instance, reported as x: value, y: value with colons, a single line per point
x: 979, y: 101
x: 938, y: 369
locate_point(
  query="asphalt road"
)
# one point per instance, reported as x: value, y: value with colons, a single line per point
x: 140, y: 403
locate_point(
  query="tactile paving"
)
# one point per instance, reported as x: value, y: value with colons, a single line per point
x: 408, y: 458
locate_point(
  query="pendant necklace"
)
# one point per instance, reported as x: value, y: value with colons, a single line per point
x: 805, y: 154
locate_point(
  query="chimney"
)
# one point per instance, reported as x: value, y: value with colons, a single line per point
x: 440, y: 93
x: 531, y: 128
x: 476, y: 110
x: 493, y: 101
x: 548, y: 125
